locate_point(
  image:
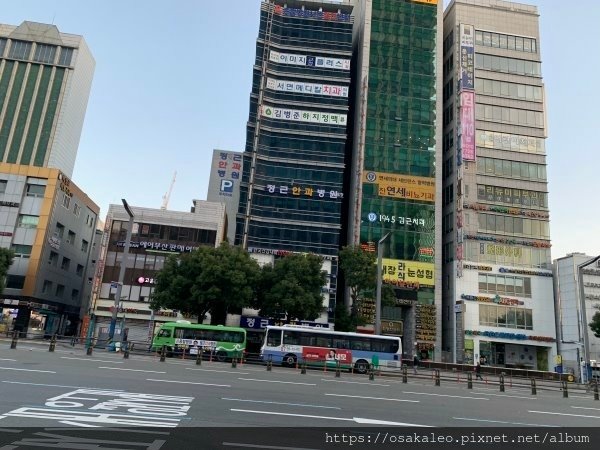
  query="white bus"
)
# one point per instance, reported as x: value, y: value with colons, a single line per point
x: 288, y: 345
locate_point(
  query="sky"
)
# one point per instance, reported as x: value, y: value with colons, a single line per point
x: 173, y: 80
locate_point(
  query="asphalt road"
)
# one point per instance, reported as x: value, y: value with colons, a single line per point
x: 68, y: 388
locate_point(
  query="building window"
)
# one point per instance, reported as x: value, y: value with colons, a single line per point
x: 66, y: 263
x: 19, y: 50
x: 3, y: 184
x: 89, y: 221
x: 84, y: 245
x: 60, y: 230
x: 45, y: 53
x: 35, y: 190
x: 76, y: 209
x: 505, y: 317
x: 21, y: 251
x: 2, y: 46
x: 75, y: 295
x: 60, y: 290
x: 79, y: 270
x: 47, y: 287
x: 53, y: 259
x: 71, y: 238
x: 26, y: 221
x: 15, y: 281
x: 66, y: 54
x: 66, y: 202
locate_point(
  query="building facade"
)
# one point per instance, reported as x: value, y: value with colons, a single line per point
x: 156, y: 235
x: 574, y: 312
x: 49, y: 223
x: 291, y: 191
x: 45, y: 82
x: 394, y: 184
x: 497, y: 279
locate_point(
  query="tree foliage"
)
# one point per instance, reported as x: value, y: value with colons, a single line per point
x: 291, y: 288
x: 6, y: 259
x: 360, y: 270
x: 216, y: 280
x: 595, y: 324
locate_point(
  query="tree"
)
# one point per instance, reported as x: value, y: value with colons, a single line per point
x: 291, y: 288
x: 595, y: 324
x: 6, y: 259
x: 208, y: 280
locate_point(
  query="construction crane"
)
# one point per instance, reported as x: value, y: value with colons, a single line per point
x: 167, y: 196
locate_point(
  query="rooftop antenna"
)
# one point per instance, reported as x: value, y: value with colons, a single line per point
x: 167, y: 196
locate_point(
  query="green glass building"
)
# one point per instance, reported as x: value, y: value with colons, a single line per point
x: 394, y: 184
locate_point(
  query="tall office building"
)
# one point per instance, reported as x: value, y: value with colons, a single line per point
x: 45, y: 82
x: 497, y: 279
x: 394, y: 184
x: 291, y: 191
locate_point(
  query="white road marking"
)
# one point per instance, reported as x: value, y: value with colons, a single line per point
x: 345, y: 419
x: 2, y: 417
x: 374, y: 398
x: 583, y: 407
x: 27, y: 370
x: 563, y: 414
x: 93, y: 360
x: 274, y: 381
x: 500, y: 421
x: 56, y: 385
x: 508, y: 396
x: 8, y: 359
x: 446, y: 395
x: 270, y: 447
x: 220, y: 371
x: 280, y: 403
x: 188, y: 382
x: 131, y: 370
x: 354, y: 382
x: 77, y: 424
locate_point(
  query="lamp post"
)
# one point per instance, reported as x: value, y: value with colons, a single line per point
x: 379, y: 276
x: 586, y: 341
x: 113, y: 320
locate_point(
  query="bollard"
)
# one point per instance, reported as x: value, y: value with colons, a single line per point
x: 303, y: 368
x: 404, y: 374
x: 52, y: 343
x: 126, y: 351
x: 163, y: 353
x: 337, y: 369
x: 565, y: 390
x: 502, y: 382
x: 371, y: 372
x: 437, y: 377
x: 89, y: 349
x: 234, y: 362
x: 469, y: 380
x: 15, y: 339
x: 533, y: 387
x: 199, y: 357
x: 270, y: 363
x: 596, y: 390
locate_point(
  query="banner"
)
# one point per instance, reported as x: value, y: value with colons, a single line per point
x: 304, y: 116
x: 402, y: 186
x: 329, y: 355
x: 319, y: 62
x: 467, y: 52
x: 467, y: 125
x: 307, y: 88
x: 395, y: 270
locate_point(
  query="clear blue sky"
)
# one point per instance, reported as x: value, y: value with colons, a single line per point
x: 173, y: 79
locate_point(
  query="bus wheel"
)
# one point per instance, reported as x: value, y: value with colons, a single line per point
x: 289, y: 360
x: 361, y: 366
x: 221, y: 356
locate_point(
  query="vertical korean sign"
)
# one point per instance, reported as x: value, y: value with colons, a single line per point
x: 467, y: 125
x: 467, y: 56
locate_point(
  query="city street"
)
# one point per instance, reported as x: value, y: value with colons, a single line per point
x: 68, y: 388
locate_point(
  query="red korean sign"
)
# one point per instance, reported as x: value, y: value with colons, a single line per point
x: 327, y: 354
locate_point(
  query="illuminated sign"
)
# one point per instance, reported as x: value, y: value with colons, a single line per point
x: 395, y: 270
x: 402, y: 186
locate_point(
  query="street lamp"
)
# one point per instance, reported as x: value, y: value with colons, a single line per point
x: 586, y: 341
x: 379, y: 276
x: 113, y: 320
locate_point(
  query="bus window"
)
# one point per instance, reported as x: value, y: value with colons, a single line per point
x: 340, y: 342
x: 164, y: 333
x: 323, y: 340
x: 273, y: 338
x: 291, y: 337
x: 360, y: 343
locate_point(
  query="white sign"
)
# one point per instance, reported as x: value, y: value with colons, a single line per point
x: 304, y: 116
x: 196, y: 343
x: 311, y: 61
x: 307, y: 88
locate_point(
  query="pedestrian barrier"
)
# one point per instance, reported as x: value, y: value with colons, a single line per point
x: 469, y: 380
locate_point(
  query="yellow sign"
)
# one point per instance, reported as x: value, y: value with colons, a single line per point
x: 402, y: 186
x: 429, y: 2
x: 397, y: 270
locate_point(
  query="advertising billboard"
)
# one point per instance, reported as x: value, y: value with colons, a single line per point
x: 402, y: 186
x: 467, y: 125
x: 467, y: 56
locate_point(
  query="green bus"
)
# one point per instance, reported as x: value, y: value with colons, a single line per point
x: 223, y: 342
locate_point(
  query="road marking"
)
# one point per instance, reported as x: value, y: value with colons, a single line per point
x: 500, y: 421
x: 354, y: 382
x: 345, y: 419
x: 446, y: 395
x: 374, y: 398
x: 508, y: 396
x: 271, y: 447
x: 27, y: 370
x: 93, y: 360
x: 274, y: 381
x: 583, y: 407
x: 220, y: 371
x: 563, y: 414
x: 57, y: 385
x: 131, y: 370
x: 188, y: 382
x: 280, y: 403
x: 8, y: 359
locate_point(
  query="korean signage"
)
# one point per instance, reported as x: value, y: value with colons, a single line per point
x: 5, y: 233
x: 260, y: 323
x: 196, y: 343
x: 304, y: 191
x: 320, y: 62
x: 277, y: 252
x: 162, y: 246
x: 297, y: 115
x: 425, y: 323
x: 408, y: 271
x: 312, y: 14
x: 497, y: 299
x: 300, y: 87
x: 402, y: 186
x: 398, y: 220
x: 145, y: 280
x: 9, y: 204
x: 392, y: 327
x: 65, y: 184
x: 467, y: 125
x: 227, y: 166
x: 429, y: 2
x: 54, y: 242
x: 328, y: 355
x: 467, y: 55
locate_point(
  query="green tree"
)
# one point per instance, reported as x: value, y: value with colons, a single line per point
x: 211, y: 280
x: 291, y: 288
x: 6, y: 259
x: 595, y: 324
